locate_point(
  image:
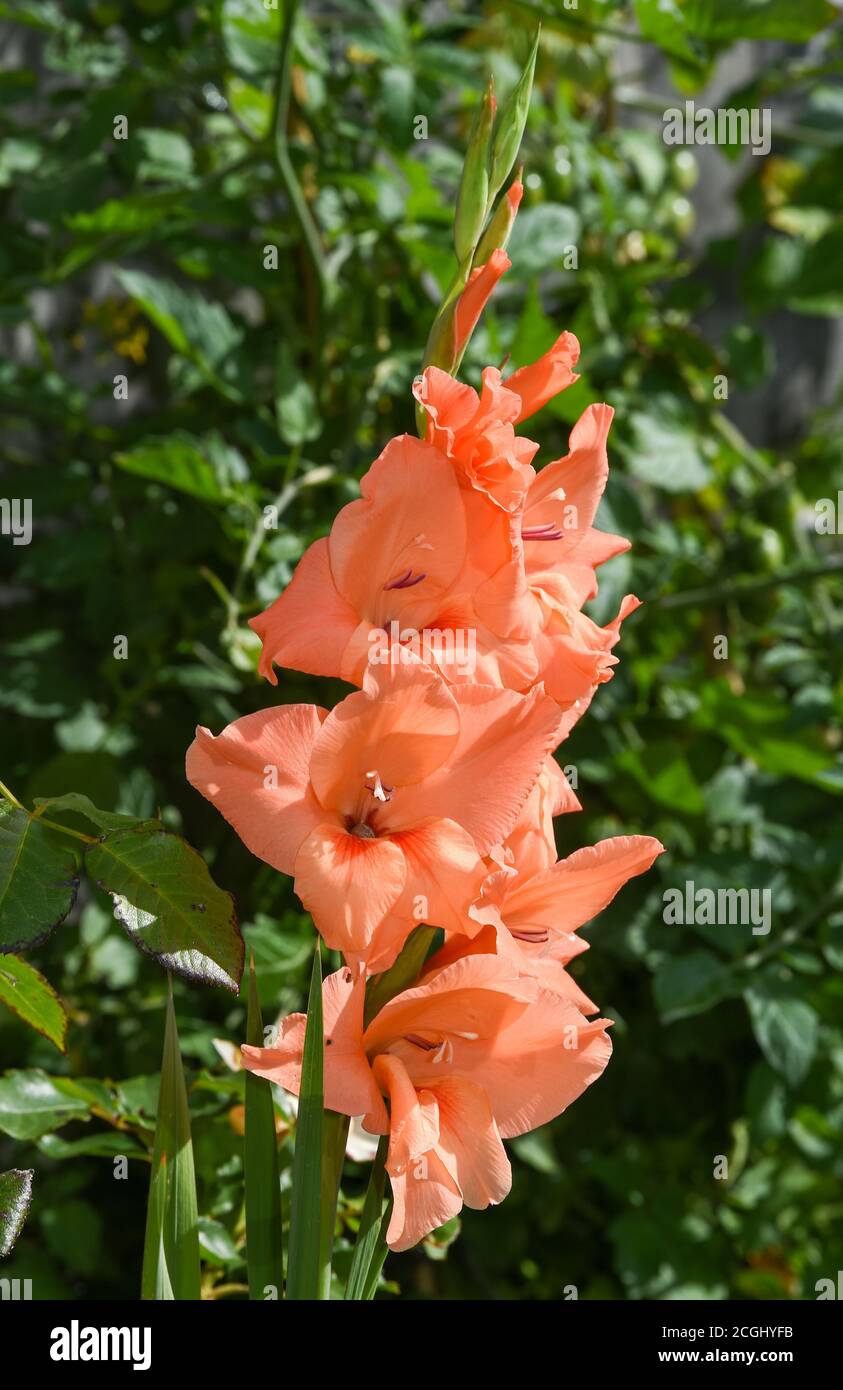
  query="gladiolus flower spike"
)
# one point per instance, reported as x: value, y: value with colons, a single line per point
x: 451, y: 593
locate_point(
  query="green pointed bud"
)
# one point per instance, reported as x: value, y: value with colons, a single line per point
x: 512, y: 121
x: 497, y: 233
x: 473, y: 197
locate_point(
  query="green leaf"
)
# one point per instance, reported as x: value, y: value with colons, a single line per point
x: 106, y: 1144
x: 691, y: 984
x: 171, y: 1246
x: 663, y: 22
x: 757, y: 19
x: 666, y: 776
x: 785, y: 1028
x: 33, y: 1103
x: 75, y: 801
x: 37, y: 880
x: 15, y: 1199
x: 169, y: 904
x: 208, y: 469
x: 303, y: 1266
x: 196, y: 328
x: 25, y: 991
x: 250, y: 34
x: 816, y: 284
x: 167, y: 156
x: 758, y: 727
x: 665, y: 451
x: 216, y: 1243
x: 540, y: 236
x: 370, y: 1247
x: 264, y: 1250
x: 295, y: 401
x: 251, y: 105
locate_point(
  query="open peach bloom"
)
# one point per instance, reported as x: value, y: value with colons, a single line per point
x: 473, y: 1055
x: 477, y: 431
x: 532, y: 917
x: 562, y: 550
x: 383, y: 809
x: 427, y: 560
x: 417, y: 558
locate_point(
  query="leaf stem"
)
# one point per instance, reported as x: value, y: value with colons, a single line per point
x: 292, y: 187
x: 42, y: 820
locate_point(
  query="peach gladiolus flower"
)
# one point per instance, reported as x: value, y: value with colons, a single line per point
x: 428, y: 548
x: 417, y: 551
x: 562, y: 550
x: 478, y: 433
x: 534, y: 915
x: 387, y: 803
x: 471, y: 1056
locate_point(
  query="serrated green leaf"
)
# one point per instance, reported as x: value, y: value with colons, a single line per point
x: 196, y: 328
x: 757, y: 19
x: 104, y: 820
x: 169, y: 904
x: 24, y: 990
x: 37, y: 879
x: 15, y: 1199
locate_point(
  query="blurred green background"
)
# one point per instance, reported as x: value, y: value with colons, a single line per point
x: 145, y: 258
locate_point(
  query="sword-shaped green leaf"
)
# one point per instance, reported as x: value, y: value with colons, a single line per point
x: 305, y: 1225
x: 38, y: 879
x: 264, y: 1251
x: 370, y: 1246
x: 171, y: 1248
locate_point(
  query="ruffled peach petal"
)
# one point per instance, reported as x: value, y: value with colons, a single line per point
x: 289, y: 635
x: 349, y: 1084
x: 469, y: 1143
x: 475, y: 296
x: 395, y: 552
x: 579, y: 479
x: 424, y: 1197
x: 573, y: 664
x: 444, y: 874
x: 413, y: 1120
x: 256, y: 772
x: 573, y: 891
x: 504, y: 740
x: 477, y: 995
x: 544, y: 379
x: 448, y: 404
x: 402, y: 726
x: 537, y: 1067
x: 348, y: 884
